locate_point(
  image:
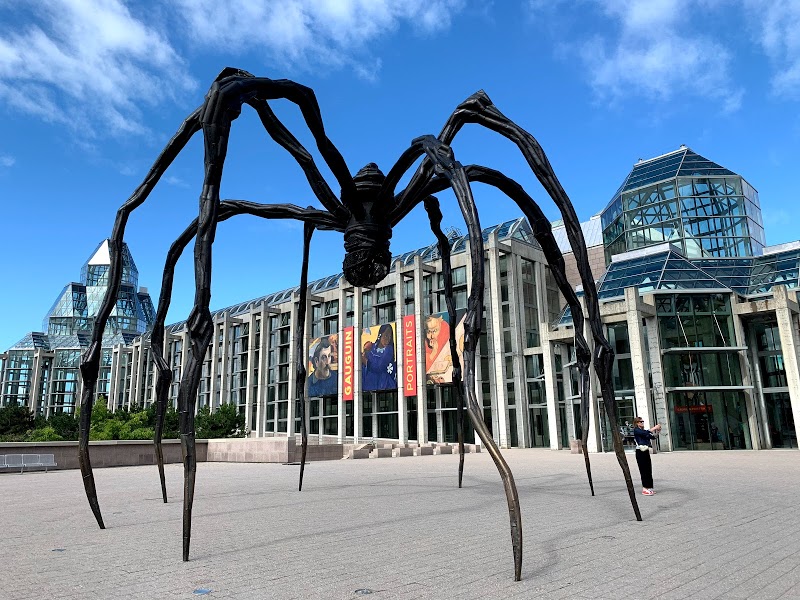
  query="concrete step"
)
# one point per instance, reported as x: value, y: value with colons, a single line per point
x: 381, y: 453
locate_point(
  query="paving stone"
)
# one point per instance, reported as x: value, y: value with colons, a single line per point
x: 721, y: 525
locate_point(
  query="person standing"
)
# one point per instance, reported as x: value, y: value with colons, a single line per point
x: 643, y: 438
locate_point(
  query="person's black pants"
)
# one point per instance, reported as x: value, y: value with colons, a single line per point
x: 645, y: 468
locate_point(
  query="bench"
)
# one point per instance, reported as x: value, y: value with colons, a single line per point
x: 12, y: 461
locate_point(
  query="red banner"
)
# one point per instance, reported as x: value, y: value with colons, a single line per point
x: 409, y: 356
x: 348, y: 362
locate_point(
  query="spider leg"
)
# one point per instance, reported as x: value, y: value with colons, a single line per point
x: 285, y: 139
x: 222, y: 106
x: 543, y: 233
x: 300, y: 377
x: 90, y: 362
x: 242, y: 87
x: 479, y: 109
x: 164, y: 373
x: 227, y: 209
x: 435, y: 217
x: 442, y: 157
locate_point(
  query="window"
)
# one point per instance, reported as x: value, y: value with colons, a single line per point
x: 366, y: 309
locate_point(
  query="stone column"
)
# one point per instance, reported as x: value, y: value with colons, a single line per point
x: 593, y: 442
x: 292, y: 357
x: 36, y: 378
x: 135, y: 365
x: 641, y: 385
x: 785, y: 310
x: 494, y: 311
x: 516, y: 308
x: 213, y: 369
x: 402, y: 411
x: 225, y: 351
x: 263, y: 367
x: 419, y: 316
x: 550, y: 387
x: 251, y: 396
x: 740, y: 340
x: 357, y: 326
x: 266, y: 365
x: 340, y: 404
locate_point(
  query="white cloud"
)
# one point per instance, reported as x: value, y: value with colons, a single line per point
x: 87, y: 64
x: 311, y: 32
x: 7, y: 160
x: 175, y: 181
x: 777, y: 24
x: 657, y: 50
x: 96, y: 65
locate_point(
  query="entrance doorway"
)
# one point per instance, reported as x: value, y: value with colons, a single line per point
x: 780, y: 420
x: 709, y: 420
x: 539, y: 429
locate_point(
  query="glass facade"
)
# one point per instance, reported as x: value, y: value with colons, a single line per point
x: 702, y: 372
x: 687, y: 200
x: 52, y: 357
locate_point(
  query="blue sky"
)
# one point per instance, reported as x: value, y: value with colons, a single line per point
x: 90, y: 91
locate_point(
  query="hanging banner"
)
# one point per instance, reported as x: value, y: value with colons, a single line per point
x: 323, y: 366
x: 348, y: 362
x: 409, y: 356
x: 378, y: 361
x: 438, y: 359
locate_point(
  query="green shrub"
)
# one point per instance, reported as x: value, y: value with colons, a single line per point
x: 108, y: 430
x: 17, y: 424
x: 223, y: 422
x: 45, y: 434
x: 142, y: 433
x: 100, y: 413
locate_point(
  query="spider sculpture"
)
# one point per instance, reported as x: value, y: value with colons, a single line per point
x: 365, y: 213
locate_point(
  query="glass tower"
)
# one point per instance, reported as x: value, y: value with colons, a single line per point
x: 687, y: 200
x: 41, y: 370
x: 76, y: 307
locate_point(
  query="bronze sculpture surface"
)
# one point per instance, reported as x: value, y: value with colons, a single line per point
x: 365, y: 212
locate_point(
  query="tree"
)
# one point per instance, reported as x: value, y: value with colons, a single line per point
x: 224, y: 422
x: 15, y: 421
x: 64, y: 425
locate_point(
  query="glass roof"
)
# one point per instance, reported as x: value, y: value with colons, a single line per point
x: 668, y: 270
x: 679, y: 163
x: 81, y: 339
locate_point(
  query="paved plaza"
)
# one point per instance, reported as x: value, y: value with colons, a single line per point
x: 722, y: 525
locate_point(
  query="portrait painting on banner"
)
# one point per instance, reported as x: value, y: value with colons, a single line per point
x: 378, y: 358
x: 323, y: 366
x: 438, y: 359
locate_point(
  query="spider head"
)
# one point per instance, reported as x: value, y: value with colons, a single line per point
x: 366, y: 237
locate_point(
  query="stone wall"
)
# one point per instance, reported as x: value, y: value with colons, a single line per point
x: 127, y: 453
x: 271, y: 450
x: 112, y: 453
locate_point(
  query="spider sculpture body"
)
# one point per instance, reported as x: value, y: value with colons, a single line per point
x: 365, y: 212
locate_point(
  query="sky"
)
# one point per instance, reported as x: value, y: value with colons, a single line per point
x: 92, y: 90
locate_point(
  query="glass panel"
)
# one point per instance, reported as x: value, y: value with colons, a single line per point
x: 780, y: 420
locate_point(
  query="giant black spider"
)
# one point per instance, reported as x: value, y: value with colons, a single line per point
x: 365, y: 214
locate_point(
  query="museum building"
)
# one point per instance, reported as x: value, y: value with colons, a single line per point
x: 702, y: 315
